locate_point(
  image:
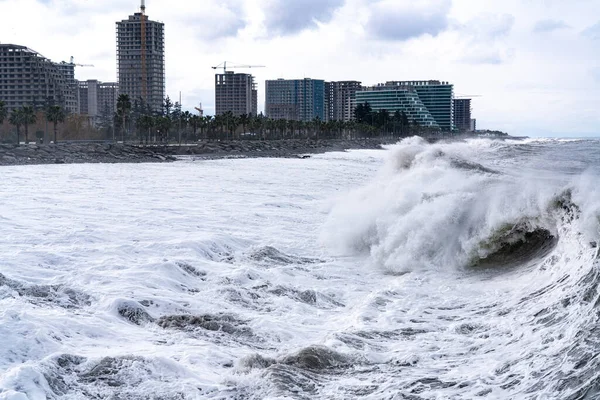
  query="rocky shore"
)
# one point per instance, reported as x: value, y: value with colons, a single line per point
x: 71, y: 153
x: 78, y: 153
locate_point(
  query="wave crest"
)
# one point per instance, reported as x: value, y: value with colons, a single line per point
x: 437, y: 206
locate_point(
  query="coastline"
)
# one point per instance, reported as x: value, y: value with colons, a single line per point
x: 113, y: 153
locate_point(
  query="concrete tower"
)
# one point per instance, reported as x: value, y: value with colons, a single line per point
x: 141, y: 59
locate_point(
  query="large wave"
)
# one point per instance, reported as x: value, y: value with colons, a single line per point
x: 438, y: 206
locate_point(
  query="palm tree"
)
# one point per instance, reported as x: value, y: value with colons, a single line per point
x: 3, y: 112
x: 244, y: 119
x: 123, y: 110
x: 145, y: 123
x: 16, y: 119
x: 195, y: 121
x: 28, y: 118
x: 55, y: 114
x: 185, y: 121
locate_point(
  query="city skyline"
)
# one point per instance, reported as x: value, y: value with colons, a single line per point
x: 534, y: 63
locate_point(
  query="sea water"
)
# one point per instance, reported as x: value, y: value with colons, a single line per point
x: 424, y: 271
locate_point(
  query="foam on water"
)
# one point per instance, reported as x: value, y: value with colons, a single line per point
x: 424, y: 271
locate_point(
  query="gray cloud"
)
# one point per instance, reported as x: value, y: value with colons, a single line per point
x: 485, y: 37
x: 217, y: 21
x: 593, y: 32
x: 287, y: 17
x: 549, y: 25
x: 392, y: 21
x: 490, y: 26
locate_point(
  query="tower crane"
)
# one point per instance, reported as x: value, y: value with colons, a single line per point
x: 224, y: 66
x: 466, y: 96
x: 79, y: 65
x: 143, y: 50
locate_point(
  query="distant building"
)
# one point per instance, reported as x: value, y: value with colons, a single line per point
x: 141, y: 74
x: 67, y: 74
x: 473, y: 125
x: 462, y: 114
x: 341, y: 99
x: 28, y: 78
x: 235, y: 93
x: 402, y: 99
x: 97, y: 99
x: 296, y: 99
x: 437, y: 97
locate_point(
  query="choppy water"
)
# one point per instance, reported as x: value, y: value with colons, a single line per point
x: 447, y: 271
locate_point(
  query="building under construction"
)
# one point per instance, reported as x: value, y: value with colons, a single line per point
x: 462, y: 115
x: 141, y: 59
x: 97, y: 99
x: 235, y: 93
x: 28, y: 78
x: 341, y: 99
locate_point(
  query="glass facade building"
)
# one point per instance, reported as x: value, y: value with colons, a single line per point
x: 296, y: 99
x: 436, y: 96
x: 402, y: 99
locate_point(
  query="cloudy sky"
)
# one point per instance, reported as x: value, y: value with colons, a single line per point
x: 535, y: 64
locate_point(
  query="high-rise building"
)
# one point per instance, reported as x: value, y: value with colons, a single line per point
x: 341, y: 98
x: 437, y: 97
x: 97, y: 99
x: 402, y: 99
x: 28, y: 78
x: 296, y: 99
x: 462, y: 114
x: 235, y: 93
x: 141, y: 59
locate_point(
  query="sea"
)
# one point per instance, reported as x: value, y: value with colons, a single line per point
x: 453, y: 270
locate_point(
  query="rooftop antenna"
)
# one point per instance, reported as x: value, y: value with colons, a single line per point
x: 143, y: 6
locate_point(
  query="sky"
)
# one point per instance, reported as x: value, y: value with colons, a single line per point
x: 534, y: 65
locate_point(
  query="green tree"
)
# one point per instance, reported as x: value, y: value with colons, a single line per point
x: 196, y: 122
x: 28, y: 118
x: 16, y: 119
x: 167, y: 106
x: 3, y: 112
x: 55, y: 114
x: 144, y: 124
x: 123, y: 111
x: 363, y: 113
x: 244, y: 121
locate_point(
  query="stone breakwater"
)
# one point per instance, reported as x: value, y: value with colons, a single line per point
x: 77, y: 153
x: 276, y: 148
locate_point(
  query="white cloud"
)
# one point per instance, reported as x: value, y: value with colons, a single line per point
x: 477, y: 45
x: 287, y: 17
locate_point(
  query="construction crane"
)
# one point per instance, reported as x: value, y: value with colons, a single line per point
x: 224, y: 66
x: 79, y: 65
x: 200, y: 110
x: 466, y: 96
x: 143, y: 53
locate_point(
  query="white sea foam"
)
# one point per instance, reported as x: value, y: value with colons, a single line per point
x: 284, y: 257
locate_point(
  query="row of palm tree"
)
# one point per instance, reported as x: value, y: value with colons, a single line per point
x: 137, y: 122
x: 27, y: 115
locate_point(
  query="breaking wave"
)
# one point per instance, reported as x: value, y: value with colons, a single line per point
x: 436, y: 206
